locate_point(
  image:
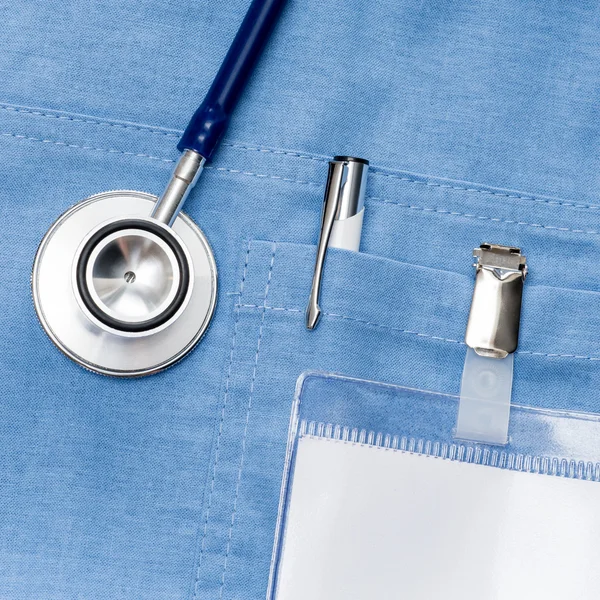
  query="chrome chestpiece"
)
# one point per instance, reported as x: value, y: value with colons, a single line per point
x: 131, y: 297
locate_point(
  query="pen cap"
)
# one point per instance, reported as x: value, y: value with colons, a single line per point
x: 341, y: 219
x: 351, y: 193
x: 350, y: 198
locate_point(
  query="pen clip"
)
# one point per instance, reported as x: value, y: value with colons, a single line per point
x: 331, y: 204
x: 341, y: 223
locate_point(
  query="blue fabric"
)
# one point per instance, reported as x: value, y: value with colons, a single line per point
x: 481, y: 123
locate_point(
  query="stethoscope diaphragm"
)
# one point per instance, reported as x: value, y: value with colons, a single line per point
x: 149, y: 290
x: 132, y: 274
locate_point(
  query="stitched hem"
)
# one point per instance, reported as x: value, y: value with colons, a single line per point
x: 465, y: 187
x: 413, y: 333
x: 221, y: 421
x: 246, y: 423
x: 301, y: 182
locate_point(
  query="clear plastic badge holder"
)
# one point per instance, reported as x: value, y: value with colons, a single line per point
x: 387, y: 521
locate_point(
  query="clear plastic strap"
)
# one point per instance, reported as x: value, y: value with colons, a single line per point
x: 485, y: 393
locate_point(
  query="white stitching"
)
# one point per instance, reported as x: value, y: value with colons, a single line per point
x: 482, y: 217
x: 245, y: 434
x: 62, y: 117
x: 556, y: 355
x: 66, y: 145
x: 222, y: 419
x: 362, y: 321
x: 158, y: 158
x: 448, y: 186
x: 415, y: 333
x: 261, y: 176
x: 314, y: 157
x: 309, y: 183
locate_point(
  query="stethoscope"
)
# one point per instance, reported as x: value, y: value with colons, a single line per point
x: 123, y: 282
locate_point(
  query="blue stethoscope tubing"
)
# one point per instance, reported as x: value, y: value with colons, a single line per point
x: 207, y: 126
x: 124, y: 283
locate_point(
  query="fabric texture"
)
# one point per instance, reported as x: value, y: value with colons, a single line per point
x: 480, y: 120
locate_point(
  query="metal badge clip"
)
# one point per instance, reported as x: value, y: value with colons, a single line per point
x: 492, y: 336
x: 341, y: 224
x: 493, y: 327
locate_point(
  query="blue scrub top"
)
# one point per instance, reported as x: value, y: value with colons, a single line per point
x: 481, y: 123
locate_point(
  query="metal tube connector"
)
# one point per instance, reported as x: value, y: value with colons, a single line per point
x: 184, y: 178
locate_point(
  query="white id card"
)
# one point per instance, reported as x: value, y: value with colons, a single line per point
x: 381, y: 502
x: 373, y: 523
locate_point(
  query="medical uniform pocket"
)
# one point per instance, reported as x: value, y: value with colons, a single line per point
x: 382, y: 320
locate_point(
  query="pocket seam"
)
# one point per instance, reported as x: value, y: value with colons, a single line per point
x: 442, y: 211
x: 221, y: 423
x: 414, y: 333
x: 376, y: 171
x: 452, y: 213
x: 247, y: 421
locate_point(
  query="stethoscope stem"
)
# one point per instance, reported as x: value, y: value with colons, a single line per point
x: 182, y: 181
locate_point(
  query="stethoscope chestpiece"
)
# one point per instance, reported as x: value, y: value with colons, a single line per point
x: 124, y: 295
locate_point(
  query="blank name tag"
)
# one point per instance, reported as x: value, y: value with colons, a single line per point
x: 371, y: 523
